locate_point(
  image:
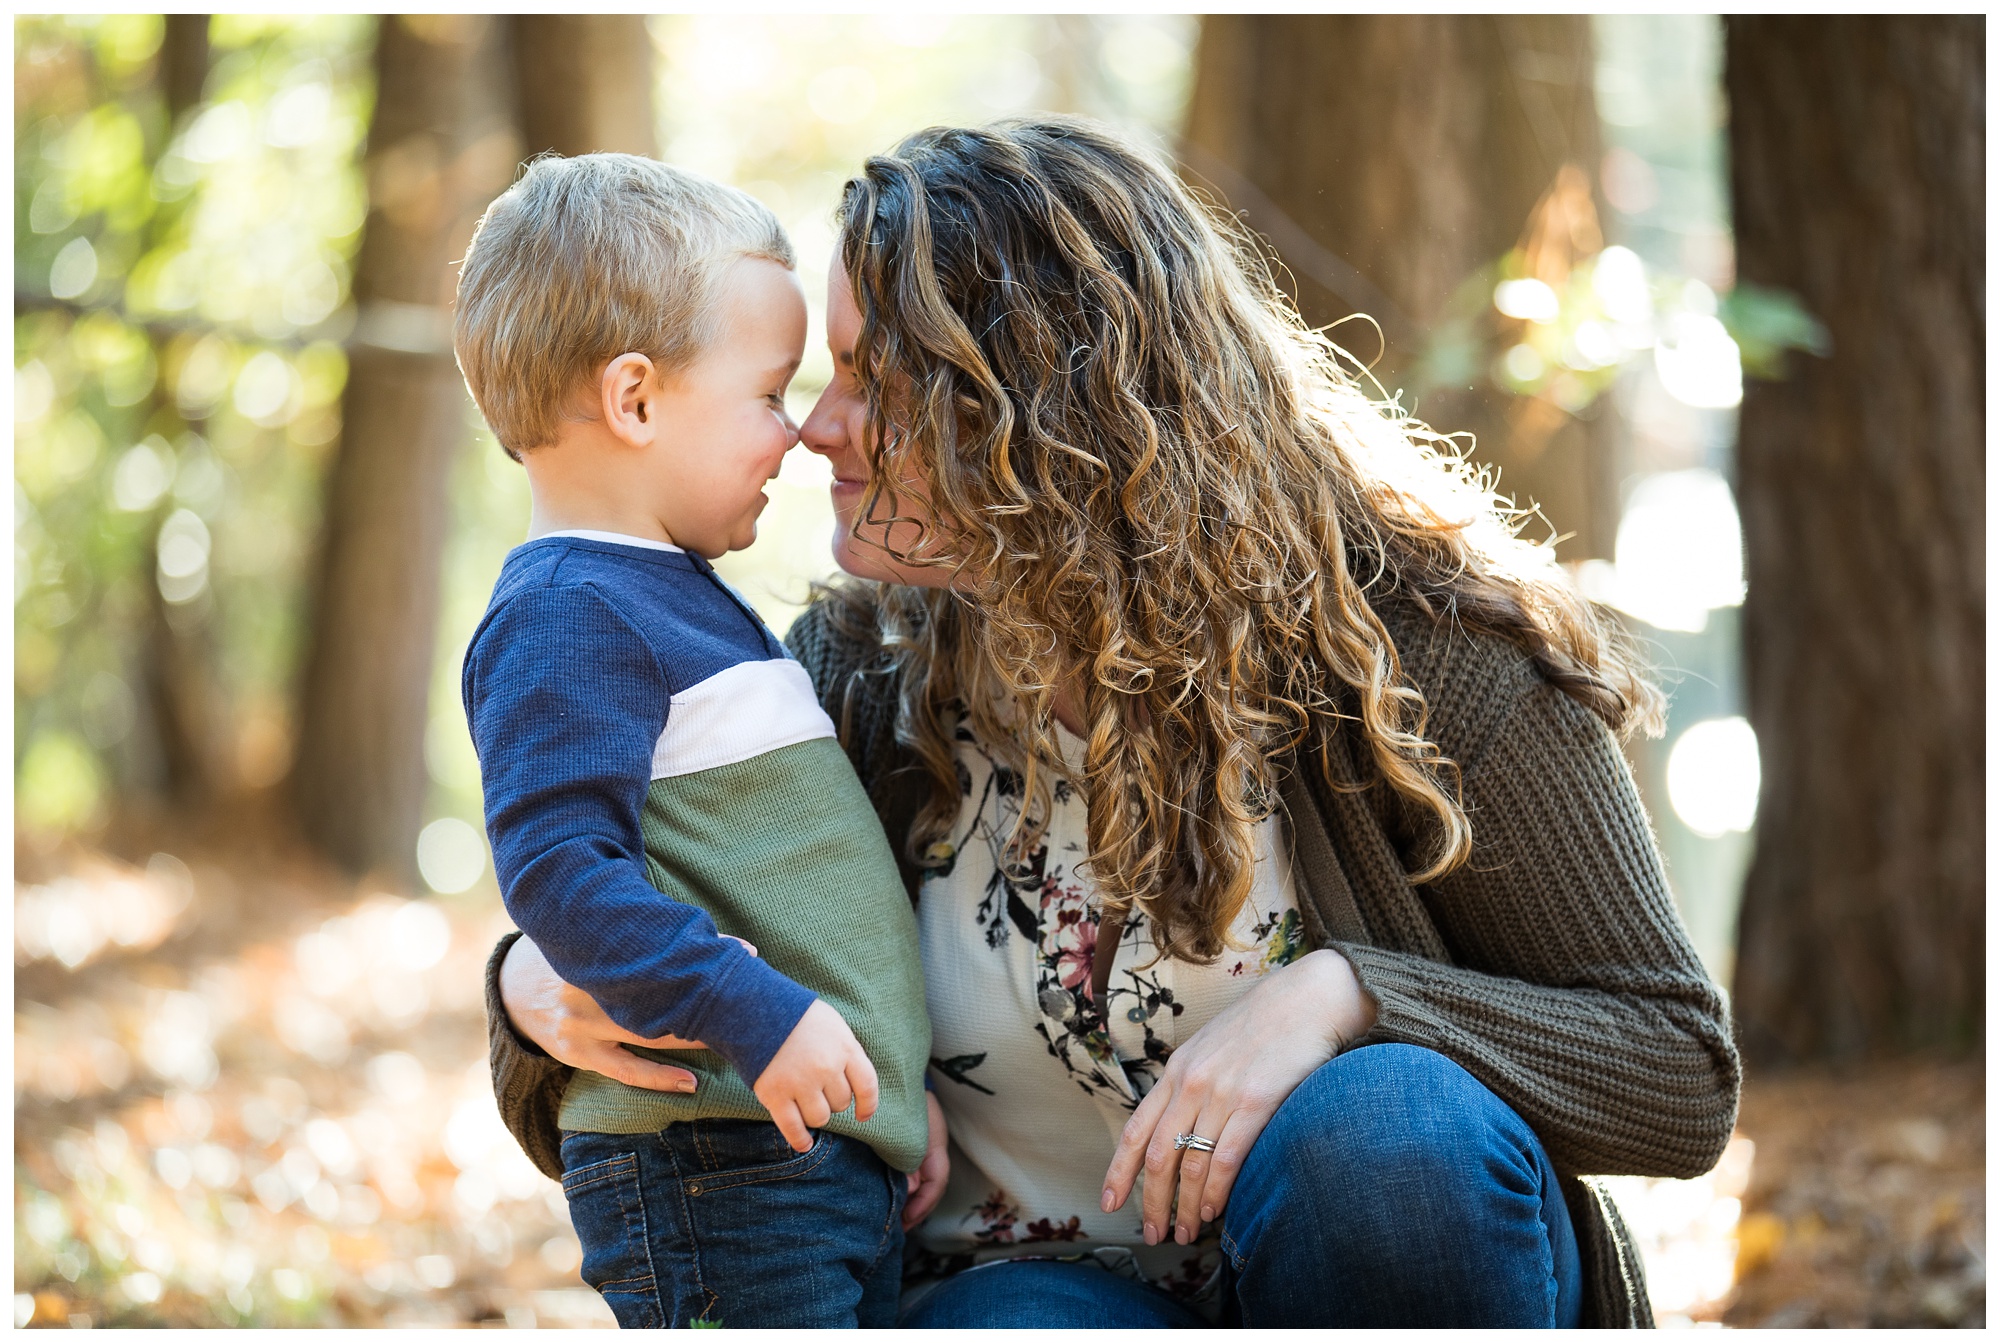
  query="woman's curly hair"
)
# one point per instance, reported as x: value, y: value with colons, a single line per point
x: 1156, y: 486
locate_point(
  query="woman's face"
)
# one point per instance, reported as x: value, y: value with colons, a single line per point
x: 838, y: 430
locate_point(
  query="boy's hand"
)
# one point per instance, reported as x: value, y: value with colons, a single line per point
x: 815, y: 1074
x: 927, y: 1180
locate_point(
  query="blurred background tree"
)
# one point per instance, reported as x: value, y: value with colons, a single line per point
x: 1859, y: 176
x: 1393, y: 160
x: 442, y: 144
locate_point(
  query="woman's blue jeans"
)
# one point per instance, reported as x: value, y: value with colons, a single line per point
x: 1390, y: 1189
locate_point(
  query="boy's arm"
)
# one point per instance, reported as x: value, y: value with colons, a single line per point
x: 565, y: 701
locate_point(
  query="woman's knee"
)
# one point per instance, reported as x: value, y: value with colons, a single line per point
x: 1387, y: 1109
x: 1375, y: 1134
x: 1405, y: 1189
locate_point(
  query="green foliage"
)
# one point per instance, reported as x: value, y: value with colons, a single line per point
x: 1568, y: 343
x: 59, y: 785
x: 1766, y: 323
x: 180, y: 296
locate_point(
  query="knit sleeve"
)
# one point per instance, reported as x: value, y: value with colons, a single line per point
x: 528, y: 1085
x: 1572, y: 992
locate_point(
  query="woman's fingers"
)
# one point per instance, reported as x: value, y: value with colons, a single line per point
x: 1163, y: 1162
x: 928, y: 1180
x: 1207, y: 1177
x: 1238, y: 1136
x: 621, y: 1065
x: 1131, y: 1153
x: 1194, y: 1172
x: 617, y: 1034
x: 927, y: 1187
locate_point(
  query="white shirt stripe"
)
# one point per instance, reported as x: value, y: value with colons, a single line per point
x: 739, y: 712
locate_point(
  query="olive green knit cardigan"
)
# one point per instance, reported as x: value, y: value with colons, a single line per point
x: 1552, y: 966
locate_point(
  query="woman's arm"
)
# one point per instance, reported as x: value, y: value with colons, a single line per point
x: 527, y: 1083
x: 539, y: 1031
x: 1572, y: 992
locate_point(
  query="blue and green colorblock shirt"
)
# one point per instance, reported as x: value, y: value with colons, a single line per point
x: 658, y: 771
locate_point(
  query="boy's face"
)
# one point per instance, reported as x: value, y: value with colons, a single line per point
x: 723, y: 424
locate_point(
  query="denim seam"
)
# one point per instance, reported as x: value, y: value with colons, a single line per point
x: 1237, y: 1258
x: 889, y: 1221
x: 709, y: 1298
x: 620, y: 1171
x: 649, y: 1285
x: 610, y: 1168
x: 1548, y: 1240
x: 803, y: 1164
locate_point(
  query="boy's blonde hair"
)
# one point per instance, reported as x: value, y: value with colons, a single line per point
x: 584, y: 259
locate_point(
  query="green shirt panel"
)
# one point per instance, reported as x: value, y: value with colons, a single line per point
x: 784, y: 851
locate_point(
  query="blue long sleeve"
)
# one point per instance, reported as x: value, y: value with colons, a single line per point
x: 566, y: 700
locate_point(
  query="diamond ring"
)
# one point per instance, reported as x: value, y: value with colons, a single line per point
x: 1183, y: 1141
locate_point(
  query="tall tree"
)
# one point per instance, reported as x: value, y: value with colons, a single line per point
x: 586, y: 83
x: 1388, y: 158
x: 441, y: 146
x: 1858, y: 169
x: 177, y: 689
x: 460, y: 100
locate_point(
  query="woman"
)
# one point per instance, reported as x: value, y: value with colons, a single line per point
x: 1257, y: 788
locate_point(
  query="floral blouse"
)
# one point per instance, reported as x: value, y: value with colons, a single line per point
x: 1035, y: 1087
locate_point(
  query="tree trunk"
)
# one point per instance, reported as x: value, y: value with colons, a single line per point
x: 176, y: 692
x: 183, y: 62
x: 442, y: 145
x: 586, y: 83
x: 1858, y: 149
x: 1388, y: 158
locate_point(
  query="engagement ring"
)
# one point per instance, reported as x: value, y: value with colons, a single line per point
x: 1183, y: 1141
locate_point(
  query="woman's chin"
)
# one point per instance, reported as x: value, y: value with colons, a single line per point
x: 858, y: 560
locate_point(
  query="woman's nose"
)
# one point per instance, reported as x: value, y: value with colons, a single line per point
x: 824, y: 431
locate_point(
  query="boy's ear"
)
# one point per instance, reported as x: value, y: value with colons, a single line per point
x: 629, y: 399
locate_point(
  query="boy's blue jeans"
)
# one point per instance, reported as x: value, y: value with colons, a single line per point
x: 718, y: 1220
x: 1390, y: 1189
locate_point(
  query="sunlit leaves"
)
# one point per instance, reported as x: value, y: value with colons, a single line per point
x: 1766, y: 323
x: 177, y: 368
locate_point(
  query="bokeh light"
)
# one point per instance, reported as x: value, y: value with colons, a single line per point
x: 451, y: 855
x: 1713, y: 776
x: 1679, y: 552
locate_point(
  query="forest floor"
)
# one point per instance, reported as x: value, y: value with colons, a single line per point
x: 248, y: 1091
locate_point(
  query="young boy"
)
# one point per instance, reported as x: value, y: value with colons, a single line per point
x: 660, y: 778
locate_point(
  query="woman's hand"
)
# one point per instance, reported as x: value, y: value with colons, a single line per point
x: 927, y: 1180
x: 1227, y: 1081
x: 571, y: 1028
